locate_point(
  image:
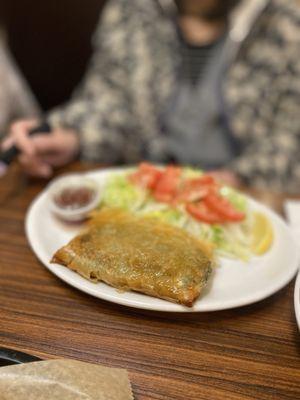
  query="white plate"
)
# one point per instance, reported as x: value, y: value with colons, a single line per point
x: 297, y: 299
x: 234, y: 283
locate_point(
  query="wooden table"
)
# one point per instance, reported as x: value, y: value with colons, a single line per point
x: 251, y: 352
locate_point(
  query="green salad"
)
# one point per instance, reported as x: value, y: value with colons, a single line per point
x: 229, y: 238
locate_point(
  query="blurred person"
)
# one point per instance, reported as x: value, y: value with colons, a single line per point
x: 180, y: 81
x: 16, y: 99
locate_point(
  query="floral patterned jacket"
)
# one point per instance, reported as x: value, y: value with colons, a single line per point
x: 134, y: 68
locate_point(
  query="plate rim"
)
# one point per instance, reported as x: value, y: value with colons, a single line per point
x: 297, y: 299
x: 177, y: 308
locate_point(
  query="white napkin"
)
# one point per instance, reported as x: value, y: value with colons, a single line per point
x: 292, y: 211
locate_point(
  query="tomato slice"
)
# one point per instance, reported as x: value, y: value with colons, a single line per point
x: 166, y: 187
x: 191, y: 195
x: 223, y: 207
x: 196, y: 189
x: 205, y: 180
x: 203, y: 213
x: 146, y: 176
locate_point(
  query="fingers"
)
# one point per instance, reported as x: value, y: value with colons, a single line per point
x: 55, y: 159
x: 35, y: 166
x: 40, y: 153
x: 7, y: 143
x: 57, y: 149
x: 44, y: 144
x: 39, y: 163
x: 19, y: 137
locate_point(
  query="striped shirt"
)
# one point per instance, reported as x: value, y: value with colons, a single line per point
x: 195, y: 59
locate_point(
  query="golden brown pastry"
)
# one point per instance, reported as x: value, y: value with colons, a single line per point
x: 140, y: 254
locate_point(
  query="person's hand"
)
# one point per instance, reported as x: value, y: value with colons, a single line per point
x: 39, y: 154
x: 227, y: 177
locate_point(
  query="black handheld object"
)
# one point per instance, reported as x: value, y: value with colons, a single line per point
x: 8, y: 155
x: 10, y: 357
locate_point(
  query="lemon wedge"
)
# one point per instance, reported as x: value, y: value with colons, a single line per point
x: 262, y: 234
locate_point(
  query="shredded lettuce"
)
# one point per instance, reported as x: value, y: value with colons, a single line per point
x: 169, y: 215
x: 230, y: 240
x: 191, y: 172
x: 233, y: 241
x: 217, y: 234
x: 120, y: 193
x: 236, y: 199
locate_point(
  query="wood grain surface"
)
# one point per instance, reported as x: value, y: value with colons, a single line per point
x: 251, y: 352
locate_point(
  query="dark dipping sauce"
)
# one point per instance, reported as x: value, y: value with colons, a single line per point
x: 73, y: 198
